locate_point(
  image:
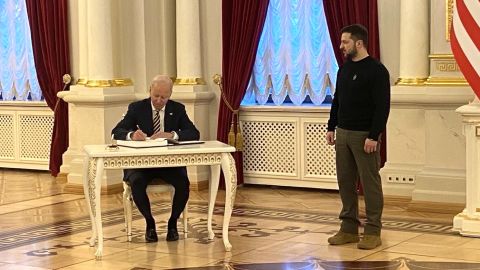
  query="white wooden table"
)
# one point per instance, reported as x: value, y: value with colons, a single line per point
x: 213, y: 153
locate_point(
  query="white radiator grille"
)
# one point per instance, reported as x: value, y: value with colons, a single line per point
x: 270, y: 147
x: 286, y: 146
x: 25, y: 135
x: 319, y: 156
x: 35, y: 132
x: 7, y: 139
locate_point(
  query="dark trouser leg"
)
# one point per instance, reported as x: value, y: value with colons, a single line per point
x: 178, y: 178
x: 139, y: 179
x: 368, y: 169
x: 347, y: 183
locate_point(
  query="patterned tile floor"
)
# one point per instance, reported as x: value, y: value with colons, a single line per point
x: 271, y: 228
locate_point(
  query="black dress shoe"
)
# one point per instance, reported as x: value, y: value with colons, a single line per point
x: 151, y: 235
x: 172, y: 235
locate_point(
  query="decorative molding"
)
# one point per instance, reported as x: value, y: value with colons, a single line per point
x: 189, y: 81
x: 109, y: 83
x: 446, y: 81
x: 447, y: 66
x: 82, y: 81
x: 441, y: 56
x: 444, y: 62
x: 448, y: 17
x: 411, y: 81
x: 161, y: 161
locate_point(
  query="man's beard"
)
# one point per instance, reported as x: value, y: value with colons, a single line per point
x: 351, y: 54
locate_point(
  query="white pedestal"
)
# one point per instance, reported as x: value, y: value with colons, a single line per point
x: 467, y: 222
x: 93, y: 112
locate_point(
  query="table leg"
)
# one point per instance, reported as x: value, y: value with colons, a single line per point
x: 89, y: 172
x: 97, y: 213
x: 230, y: 173
x: 212, y: 192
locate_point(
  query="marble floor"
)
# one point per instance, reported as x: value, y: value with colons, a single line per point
x: 271, y: 228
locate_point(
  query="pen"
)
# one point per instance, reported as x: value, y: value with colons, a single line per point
x: 138, y: 127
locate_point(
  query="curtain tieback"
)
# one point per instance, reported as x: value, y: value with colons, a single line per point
x: 67, y: 80
x: 235, y: 137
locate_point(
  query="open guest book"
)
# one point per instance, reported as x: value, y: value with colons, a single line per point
x: 154, y: 143
x: 175, y: 142
x: 143, y: 144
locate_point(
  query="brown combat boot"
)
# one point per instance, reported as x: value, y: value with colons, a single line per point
x: 369, y: 242
x: 341, y: 238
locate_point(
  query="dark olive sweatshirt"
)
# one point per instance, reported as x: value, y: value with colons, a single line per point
x: 362, y: 97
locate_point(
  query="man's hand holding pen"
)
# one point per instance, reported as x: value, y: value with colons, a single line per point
x: 138, y: 135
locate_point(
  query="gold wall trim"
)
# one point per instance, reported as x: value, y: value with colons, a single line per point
x: 82, y: 81
x: 411, y: 81
x: 446, y: 81
x: 189, y: 81
x: 441, y: 56
x: 448, y: 17
x: 109, y: 83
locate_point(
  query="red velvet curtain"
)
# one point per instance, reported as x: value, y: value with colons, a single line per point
x: 242, y: 24
x: 49, y: 30
x: 340, y: 13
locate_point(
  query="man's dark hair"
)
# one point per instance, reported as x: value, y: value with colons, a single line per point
x: 358, y: 32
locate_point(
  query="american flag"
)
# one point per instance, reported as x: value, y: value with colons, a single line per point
x: 465, y: 40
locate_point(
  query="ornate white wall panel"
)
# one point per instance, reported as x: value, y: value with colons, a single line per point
x: 286, y: 147
x: 25, y: 135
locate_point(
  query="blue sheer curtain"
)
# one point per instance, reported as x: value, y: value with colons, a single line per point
x: 295, y: 57
x: 18, y: 78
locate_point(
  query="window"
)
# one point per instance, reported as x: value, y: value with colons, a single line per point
x: 18, y: 78
x: 295, y: 60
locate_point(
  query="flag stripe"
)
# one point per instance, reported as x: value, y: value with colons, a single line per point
x: 472, y: 77
x: 466, y: 44
x: 474, y: 7
x: 469, y: 23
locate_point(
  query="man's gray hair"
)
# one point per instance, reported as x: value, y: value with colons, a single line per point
x: 162, y: 79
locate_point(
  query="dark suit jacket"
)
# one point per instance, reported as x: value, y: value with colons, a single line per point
x: 140, y: 113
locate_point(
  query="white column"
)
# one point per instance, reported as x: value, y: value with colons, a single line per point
x: 190, y: 88
x: 189, y: 61
x: 414, y: 42
x: 98, y: 104
x: 83, y: 42
x: 99, y: 34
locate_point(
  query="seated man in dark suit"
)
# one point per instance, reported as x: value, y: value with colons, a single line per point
x: 157, y: 117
